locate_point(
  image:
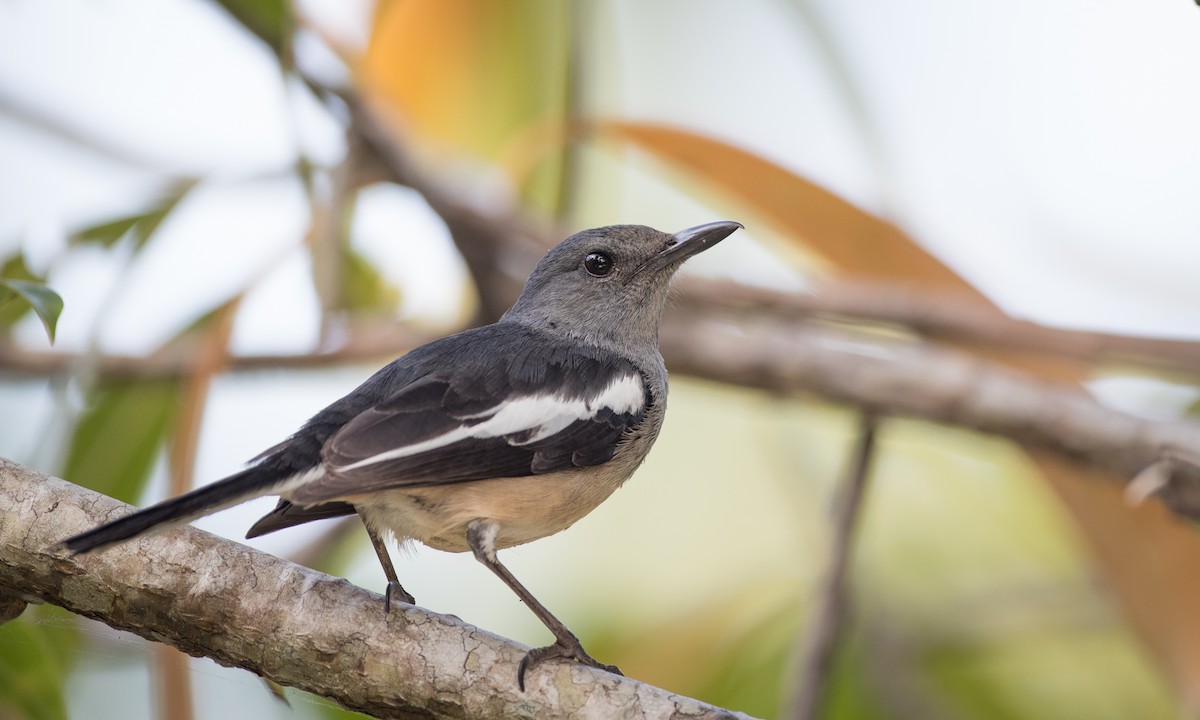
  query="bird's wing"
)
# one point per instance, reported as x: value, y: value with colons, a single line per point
x: 530, y: 412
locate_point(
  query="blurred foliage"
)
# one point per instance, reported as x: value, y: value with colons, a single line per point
x: 269, y: 20
x: 477, y: 79
x: 118, y: 438
x: 37, y: 651
x: 21, y: 291
x: 972, y: 597
x: 363, y: 287
x: 138, y: 227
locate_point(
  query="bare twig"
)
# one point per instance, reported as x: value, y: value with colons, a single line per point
x: 173, y: 677
x: 215, y: 598
x: 941, y: 317
x: 208, y: 360
x: 832, y: 607
x: 83, y: 135
x: 889, y: 375
x: 915, y: 380
x: 365, y: 342
x: 498, y: 245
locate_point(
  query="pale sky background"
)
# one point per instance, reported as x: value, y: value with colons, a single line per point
x: 1048, y: 151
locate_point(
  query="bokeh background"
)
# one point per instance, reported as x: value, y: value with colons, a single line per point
x: 232, y: 257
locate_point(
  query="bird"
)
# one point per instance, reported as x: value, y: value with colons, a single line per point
x: 486, y: 439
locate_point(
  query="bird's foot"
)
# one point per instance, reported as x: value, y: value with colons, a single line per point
x: 396, y: 590
x: 570, y: 649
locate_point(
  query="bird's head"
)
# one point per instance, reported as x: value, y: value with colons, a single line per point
x: 610, y: 284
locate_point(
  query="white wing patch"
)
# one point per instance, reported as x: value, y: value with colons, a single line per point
x: 540, y: 415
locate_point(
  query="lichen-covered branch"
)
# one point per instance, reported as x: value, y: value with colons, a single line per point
x: 216, y: 598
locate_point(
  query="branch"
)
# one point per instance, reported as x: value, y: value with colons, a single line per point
x: 945, y: 318
x: 215, y: 598
x: 365, y: 342
x: 829, y: 617
x: 83, y: 134
x: 929, y: 315
x: 913, y: 379
x: 772, y: 352
x: 498, y: 244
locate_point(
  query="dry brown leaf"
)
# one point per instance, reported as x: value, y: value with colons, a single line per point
x: 854, y: 241
x: 1151, y: 560
x: 851, y: 239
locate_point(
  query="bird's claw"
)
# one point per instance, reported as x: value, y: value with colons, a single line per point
x: 395, y: 589
x: 570, y: 650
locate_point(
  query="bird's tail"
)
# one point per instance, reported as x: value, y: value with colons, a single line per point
x: 240, y: 487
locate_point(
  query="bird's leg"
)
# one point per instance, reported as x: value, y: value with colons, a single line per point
x: 481, y: 536
x: 394, y: 587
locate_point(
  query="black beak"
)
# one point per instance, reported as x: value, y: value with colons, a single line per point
x: 692, y: 241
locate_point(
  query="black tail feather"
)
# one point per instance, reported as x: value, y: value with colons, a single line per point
x: 286, y: 515
x: 246, y: 485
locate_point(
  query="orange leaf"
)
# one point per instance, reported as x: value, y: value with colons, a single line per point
x: 1150, y: 558
x: 853, y: 240
x: 468, y: 74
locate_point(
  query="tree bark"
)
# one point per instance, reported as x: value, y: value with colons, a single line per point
x: 216, y: 598
x: 914, y: 379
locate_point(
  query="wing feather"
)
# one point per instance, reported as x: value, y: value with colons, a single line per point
x: 532, y: 410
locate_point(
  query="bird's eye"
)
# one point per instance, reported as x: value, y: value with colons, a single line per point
x: 598, y: 264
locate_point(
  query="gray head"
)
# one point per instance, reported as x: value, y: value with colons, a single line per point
x: 609, y: 285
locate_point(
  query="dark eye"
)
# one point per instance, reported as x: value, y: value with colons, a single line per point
x: 598, y: 264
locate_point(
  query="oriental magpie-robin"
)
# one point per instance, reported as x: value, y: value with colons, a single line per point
x: 489, y: 438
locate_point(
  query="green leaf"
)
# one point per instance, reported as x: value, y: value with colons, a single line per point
x: 118, y: 438
x: 108, y: 233
x: 269, y: 20
x: 44, y: 301
x: 363, y: 288
x: 139, y: 226
x: 12, y: 308
x: 329, y: 711
x: 1193, y: 410
x: 35, y: 650
x: 15, y: 268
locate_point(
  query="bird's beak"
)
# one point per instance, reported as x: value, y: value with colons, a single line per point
x: 692, y: 241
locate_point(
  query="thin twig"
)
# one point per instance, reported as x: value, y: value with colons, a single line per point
x: 172, y: 676
x: 899, y: 377
x: 85, y: 135
x: 499, y: 247
x: 832, y: 608
x: 173, y: 681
